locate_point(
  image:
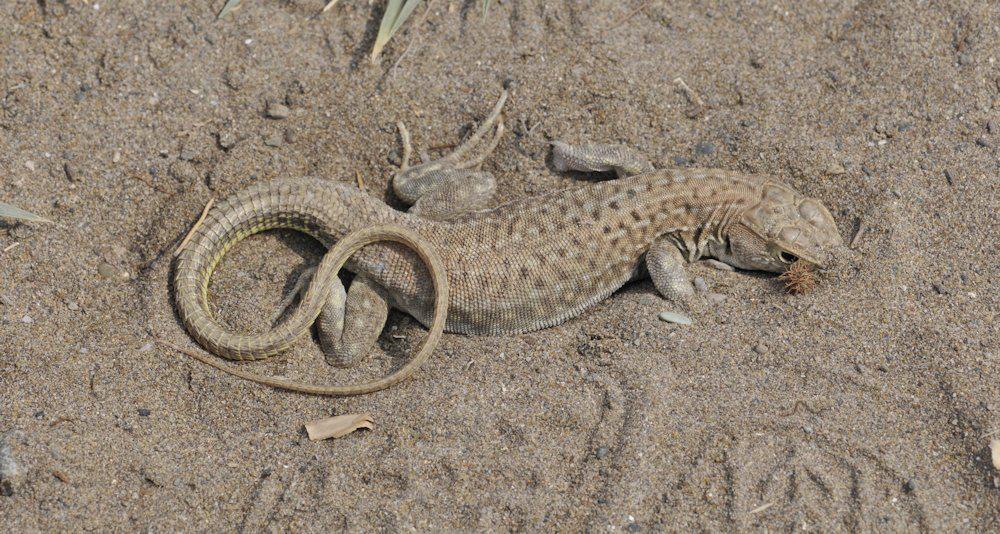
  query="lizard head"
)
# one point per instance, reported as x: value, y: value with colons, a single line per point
x: 780, y: 229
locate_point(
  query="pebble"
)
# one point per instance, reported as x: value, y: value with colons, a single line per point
x: 11, y: 472
x: 144, y: 412
x: 184, y: 172
x: 681, y: 161
x: 760, y: 348
x: 72, y: 306
x: 109, y: 272
x: 278, y: 111
x: 716, y: 264
x: 71, y: 173
x: 633, y: 527
x: 700, y: 284
x: 716, y: 298
x: 601, y: 452
x: 676, y: 318
x: 949, y: 176
x: 704, y: 148
x: 276, y: 139
x: 27, y: 319
x: 30, y: 165
x: 983, y: 142
x: 993, y: 127
x: 836, y: 169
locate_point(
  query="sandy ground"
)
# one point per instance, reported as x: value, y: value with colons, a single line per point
x: 867, y: 404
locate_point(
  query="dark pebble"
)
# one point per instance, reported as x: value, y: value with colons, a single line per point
x: 983, y: 142
x: 905, y: 126
x: 143, y: 412
x: 601, y: 452
x: 949, y: 176
x: 39, y: 414
x: 939, y: 289
x: 908, y: 486
x: 681, y: 161
x: 993, y: 127
x: 704, y: 148
x: 633, y: 527
x: 70, y: 171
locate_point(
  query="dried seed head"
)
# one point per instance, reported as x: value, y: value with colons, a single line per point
x: 799, y: 278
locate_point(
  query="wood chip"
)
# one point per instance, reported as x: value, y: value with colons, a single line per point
x: 995, y: 448
x: 338, y: 426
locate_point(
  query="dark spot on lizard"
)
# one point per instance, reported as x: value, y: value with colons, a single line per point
x: 631, y: 193
x: 613, y: 205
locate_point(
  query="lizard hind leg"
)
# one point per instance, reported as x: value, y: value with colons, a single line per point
x: 665, y: 264
x: 621, y: 160
x: 412, y: 183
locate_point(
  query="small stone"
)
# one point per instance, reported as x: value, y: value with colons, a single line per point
x: 993, y: 127
x: 11, y: 472
x: 278, y: 111
x: 939, y: 288
x: 70, y: 171
x: 116, y: 157
x: 836, y: 169
x: 760, y: 348
x: 716, y: 298
x: 807, y: 429
x: 601, y: 452
x: 983, y: 142
x: 700, y: 284
x: 964, y: 59
x: 27, y: 319
x: 143, y: 412
x: 633, y: 527
x: 676, y: 318
x: 107, y: 271
x: 30, y: 165
x: 276, y: 139
x: 716, y: 264
x: 704, y: 148
x: 909, y: 486
x: 72, y: 306
x: 227, y: 140
x: 184, y: 172
x: 949, y: 177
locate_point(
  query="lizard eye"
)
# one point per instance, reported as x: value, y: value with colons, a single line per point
x: 787, y: 257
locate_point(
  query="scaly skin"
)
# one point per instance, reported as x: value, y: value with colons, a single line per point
x: 519, y: 267
x: 523, y: 266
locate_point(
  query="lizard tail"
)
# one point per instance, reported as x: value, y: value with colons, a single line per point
x: 296, y: 205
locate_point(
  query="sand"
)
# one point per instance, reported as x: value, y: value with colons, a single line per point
x: 867, y: 404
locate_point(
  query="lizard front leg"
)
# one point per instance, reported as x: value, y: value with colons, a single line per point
x: 666, y: 266
x: 593, y: 157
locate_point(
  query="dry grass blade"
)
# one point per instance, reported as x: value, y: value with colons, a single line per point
x: 329, y: 5
x: 12, y: 212
x: 396, y: 13
x: 486, y: 7
x: 231, y: 5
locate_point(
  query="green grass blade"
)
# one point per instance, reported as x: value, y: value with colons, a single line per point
x: 404, y: 14
x: 231, y: 5
x: 396, y: 13
x: 6, y: 210
x: 486, y: 7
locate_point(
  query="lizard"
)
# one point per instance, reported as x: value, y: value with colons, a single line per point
x: 518, y: 267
